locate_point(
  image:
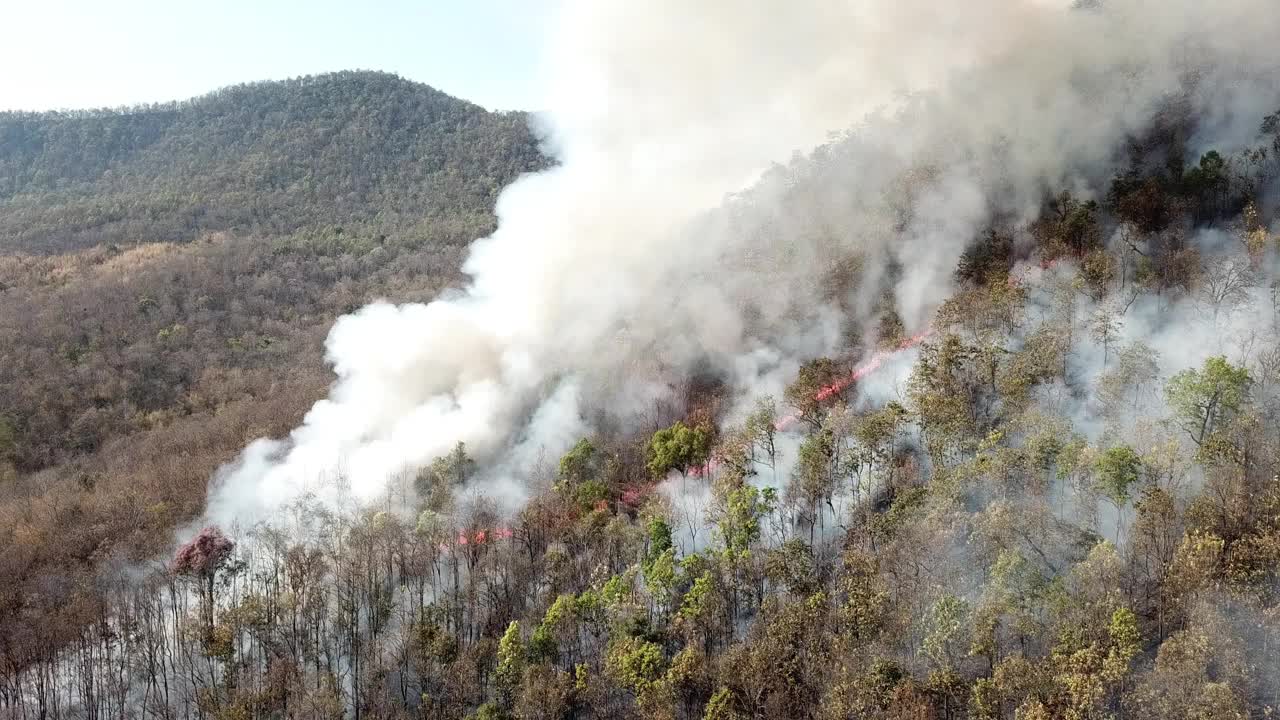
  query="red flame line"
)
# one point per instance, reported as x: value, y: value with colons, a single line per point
x: 706, y: 468
x: 829, y: 391
x: 479, y: 537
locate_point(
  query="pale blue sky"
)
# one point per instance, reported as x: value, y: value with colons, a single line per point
x: 94, y: 53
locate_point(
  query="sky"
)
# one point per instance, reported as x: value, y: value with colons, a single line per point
x: 64, y: 54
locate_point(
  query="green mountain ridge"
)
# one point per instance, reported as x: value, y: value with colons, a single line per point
x: 363, y: 148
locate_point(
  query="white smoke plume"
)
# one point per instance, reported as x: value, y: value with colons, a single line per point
x: 643, y: 254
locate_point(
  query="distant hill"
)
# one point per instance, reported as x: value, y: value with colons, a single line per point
x: 167, y: 277
x: 363, y: 149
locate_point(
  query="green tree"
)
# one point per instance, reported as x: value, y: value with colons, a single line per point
x: 580, y: 475
x: 659, y: 537
x: 942, y: 390
x: 557, y: 624
x: 803, y: 394
x: 720, y: 706
x: 488, y: 711
x: 813, y: 479
x: 987, y: 260
x: 1202, y: 400
x: 635, y: 663
x: 1117, y: 470
x: 1208, y: 183
x: 448, y: 471
x: 738, y: 516
x: 946, y: 627
x: 678, y: 447
x: 762, y: 432
x: 511, y: 661
x: 660, y: 578
x: 1067, y: 226
x: 577, y: 465
x: 1125, y: 643
x: 877, y: 433
x: 864, y: 601
x: 792, y: 567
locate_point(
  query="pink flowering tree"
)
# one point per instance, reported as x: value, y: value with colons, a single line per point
x: 200, y: 559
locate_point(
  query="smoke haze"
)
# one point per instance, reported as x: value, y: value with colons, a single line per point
x: 669, y: 237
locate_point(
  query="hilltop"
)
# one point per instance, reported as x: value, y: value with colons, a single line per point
x: 352, y: 148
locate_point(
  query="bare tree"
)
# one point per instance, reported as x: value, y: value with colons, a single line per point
x: 1225, y: 284
x: 1104, y: 327
x: 1129, y: 236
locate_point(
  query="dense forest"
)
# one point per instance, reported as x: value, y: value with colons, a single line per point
x: 161, y: 265
x: 1049, y: 519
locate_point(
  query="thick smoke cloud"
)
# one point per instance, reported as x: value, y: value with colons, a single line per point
x: 668, y: 238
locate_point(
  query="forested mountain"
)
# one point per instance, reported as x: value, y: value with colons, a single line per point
x: 359, y: 149
x: 167, y: 277
x: 967, y: 414
x: 963, y: 551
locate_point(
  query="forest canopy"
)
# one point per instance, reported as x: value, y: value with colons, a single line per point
x: 1060, y: 498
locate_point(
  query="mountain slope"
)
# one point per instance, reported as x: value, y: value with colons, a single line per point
x: 350, y: 148
x: 167, y: 278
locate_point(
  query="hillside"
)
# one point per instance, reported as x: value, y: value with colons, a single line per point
x: 168, y: 275
x: 309, y: 196
x: 354, y: 148
x: 967, y: 552
x: 967, y: 411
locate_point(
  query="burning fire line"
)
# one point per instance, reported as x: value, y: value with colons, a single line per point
x: 479, y: 537
x: 829, y: 391
x: 482, y: 537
